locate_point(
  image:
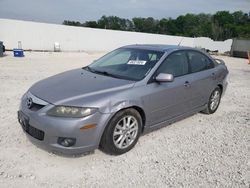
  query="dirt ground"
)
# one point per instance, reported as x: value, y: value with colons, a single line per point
x: 200, y: 151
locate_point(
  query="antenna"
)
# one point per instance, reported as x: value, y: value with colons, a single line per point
x: 181, y: 41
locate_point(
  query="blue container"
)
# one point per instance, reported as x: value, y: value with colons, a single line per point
x: 18, y: 52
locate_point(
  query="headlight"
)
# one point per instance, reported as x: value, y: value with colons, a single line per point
x: 71, y: 112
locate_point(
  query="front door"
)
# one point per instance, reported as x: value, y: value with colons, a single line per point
x: 167, y: 100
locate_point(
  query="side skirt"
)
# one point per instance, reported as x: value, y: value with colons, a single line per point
x: 151, y: 128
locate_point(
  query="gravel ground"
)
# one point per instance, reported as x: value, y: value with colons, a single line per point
x: 200, y: 151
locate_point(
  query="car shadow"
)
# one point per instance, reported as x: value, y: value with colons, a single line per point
x: 71, y: 156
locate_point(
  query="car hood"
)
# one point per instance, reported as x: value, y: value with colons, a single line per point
x: 75, y: 84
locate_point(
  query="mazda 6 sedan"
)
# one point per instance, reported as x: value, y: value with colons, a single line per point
x: 130, y: 91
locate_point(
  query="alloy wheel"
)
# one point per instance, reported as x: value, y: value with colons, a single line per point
x: 215, y: 100
x: 125, y: 132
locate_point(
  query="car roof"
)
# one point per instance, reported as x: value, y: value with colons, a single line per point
x: 157, y: 47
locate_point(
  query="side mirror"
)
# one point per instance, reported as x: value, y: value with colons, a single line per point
x: 163, y: 77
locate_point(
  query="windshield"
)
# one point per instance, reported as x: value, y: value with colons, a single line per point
x: 124, y: 63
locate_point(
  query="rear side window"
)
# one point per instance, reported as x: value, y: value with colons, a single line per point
x: 199, y: 62
x: 175, y: 64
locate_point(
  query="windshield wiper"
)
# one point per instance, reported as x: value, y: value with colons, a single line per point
x: 89, y: 69
x: 105, y: 73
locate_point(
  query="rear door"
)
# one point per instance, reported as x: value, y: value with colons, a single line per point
x: 203, y: 77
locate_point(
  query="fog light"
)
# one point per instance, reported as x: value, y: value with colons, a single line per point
x: 66, y: 142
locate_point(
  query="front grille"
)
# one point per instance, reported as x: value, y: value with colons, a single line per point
x: 32, y: 131
x: 36, y: 133
x: 33, y: 103
x: 35, y: 107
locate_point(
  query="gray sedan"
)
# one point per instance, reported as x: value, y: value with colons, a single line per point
x: 130, y: 91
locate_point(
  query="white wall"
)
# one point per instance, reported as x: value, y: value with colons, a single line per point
x: 221, y: 46
x: 41, y: 36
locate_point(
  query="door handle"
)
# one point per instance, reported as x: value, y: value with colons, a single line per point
x: 213, y: 75
x: 187, y: 84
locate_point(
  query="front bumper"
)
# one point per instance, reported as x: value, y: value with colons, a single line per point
x: 55, y: 127
x: 224, y: 85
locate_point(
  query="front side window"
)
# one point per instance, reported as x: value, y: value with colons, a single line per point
x: 126, y: 63
x: 199, y: 62
x: 175, y: 64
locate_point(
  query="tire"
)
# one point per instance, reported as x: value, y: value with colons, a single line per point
x: 122, y: 132
x: 212, y: 107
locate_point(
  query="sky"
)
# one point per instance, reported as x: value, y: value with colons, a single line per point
x: 56, y: 11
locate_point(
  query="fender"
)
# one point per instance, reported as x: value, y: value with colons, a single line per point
x: 115, y: 106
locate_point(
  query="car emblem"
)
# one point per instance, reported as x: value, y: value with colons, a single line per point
x: 29, y: 102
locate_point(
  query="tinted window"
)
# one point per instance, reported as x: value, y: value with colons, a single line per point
x: 175, y: 64
x: 199, y: 62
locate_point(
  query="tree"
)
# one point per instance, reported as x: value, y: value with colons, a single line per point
x: 92, y: 24
x: 148, y: 25
x: 72, y: 23
x: 220, y: 26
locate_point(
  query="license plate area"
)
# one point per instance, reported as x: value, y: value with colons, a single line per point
x: 32, y: 131
x: 23, y: 120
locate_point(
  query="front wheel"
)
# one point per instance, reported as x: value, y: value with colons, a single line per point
x: 214, y: 101
x: 122, y: 133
